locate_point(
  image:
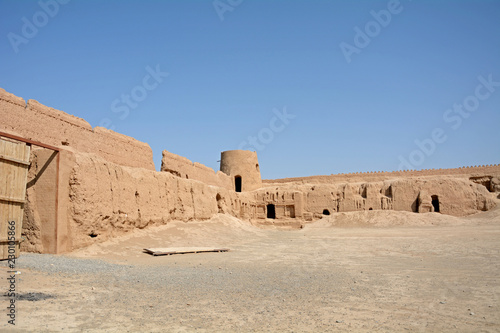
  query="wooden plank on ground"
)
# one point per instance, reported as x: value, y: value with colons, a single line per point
x: 182, y: 250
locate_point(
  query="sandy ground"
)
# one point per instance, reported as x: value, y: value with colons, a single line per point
x: 374, y: 271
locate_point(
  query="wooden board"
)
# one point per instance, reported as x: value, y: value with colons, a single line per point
x: 182, y: 250
x: 14, y: 163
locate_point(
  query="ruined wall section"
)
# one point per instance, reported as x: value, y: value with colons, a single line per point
x: 37, y: 122
x: 288, y: 203
x: 184, y: 168
x: 107, y: 200
x: 456, y: 196
x: 490, y: 171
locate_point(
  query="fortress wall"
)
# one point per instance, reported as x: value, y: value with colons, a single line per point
x: 108, y: 186
x: 457, y: 196
x: 107, y: 182
x: 185, y: 168
x: 37, y: 122
x: 177, y: 165
x: 288, y: 203
x: 471, y: 171
x: 100, y: 199
x: 104, y: 200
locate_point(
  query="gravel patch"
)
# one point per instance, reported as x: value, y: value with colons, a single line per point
x: 49, y: 263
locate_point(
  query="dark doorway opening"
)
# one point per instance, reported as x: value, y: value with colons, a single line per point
x: 237, y: 183
x: 435, y: 203
x: 326, y: 212
x: 370, y: 208
x: 415, y: 205
x: 271, y: 211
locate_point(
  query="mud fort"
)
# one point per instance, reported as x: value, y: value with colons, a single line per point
x: 86, y: 185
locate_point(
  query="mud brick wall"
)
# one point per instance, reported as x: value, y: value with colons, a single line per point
x: 34, y: 121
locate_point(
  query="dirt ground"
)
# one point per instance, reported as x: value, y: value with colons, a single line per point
x: 374, y: 271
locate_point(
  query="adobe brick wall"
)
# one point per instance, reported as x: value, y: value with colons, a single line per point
x: 38, y: 122
x: 470, y: 171
x: 107, y: 199
x: 185, y: 168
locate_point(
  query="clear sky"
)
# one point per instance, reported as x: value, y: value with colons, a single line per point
x: 315, y: 87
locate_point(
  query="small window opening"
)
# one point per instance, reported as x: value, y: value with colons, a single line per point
x: 326, y: 212
x: 271, y: 211
x: 237, y: 183
x: 370, y: 208
x: 93, y: 235
x: 435, y: 203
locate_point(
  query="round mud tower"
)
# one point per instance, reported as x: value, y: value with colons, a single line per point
x: 243, y: 167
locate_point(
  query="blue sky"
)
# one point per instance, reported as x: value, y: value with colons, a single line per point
x: 322, y: 87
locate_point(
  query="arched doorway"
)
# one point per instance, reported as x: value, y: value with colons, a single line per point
x: 237, y: 183
x: 326, y: 212
x: 435, y: 203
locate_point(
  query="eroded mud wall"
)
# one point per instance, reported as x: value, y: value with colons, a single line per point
x: 456, y: 196
x: 107, y: 199
x: 468, y: 172
x: 107, y: 186
x: 34, y: 121
x: 184, y: 168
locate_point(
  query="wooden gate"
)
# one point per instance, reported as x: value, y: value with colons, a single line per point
x: 14, y: 163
